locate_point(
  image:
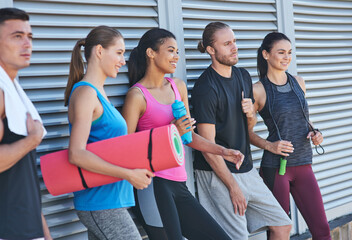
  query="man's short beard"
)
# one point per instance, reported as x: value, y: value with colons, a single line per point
x: 225, y: 60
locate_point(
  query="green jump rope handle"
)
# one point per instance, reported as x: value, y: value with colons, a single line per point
x: 282, y: 169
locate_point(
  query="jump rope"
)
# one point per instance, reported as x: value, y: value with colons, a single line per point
x: 283, y: 160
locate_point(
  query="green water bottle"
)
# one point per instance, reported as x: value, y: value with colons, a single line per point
x: 282, y: 169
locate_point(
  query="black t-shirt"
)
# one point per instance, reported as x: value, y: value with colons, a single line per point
x: 20, y: 201
x: 217, y: 100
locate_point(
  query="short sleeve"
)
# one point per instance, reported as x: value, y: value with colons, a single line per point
x: 204, y: 102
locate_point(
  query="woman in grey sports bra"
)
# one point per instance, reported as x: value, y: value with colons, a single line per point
x: 287, y: 158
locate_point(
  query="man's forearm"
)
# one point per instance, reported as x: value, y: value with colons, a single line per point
x: 218, y: 165
x: 251, y: 122
x: 204, y: 145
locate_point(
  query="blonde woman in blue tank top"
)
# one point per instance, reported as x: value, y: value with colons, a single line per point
x: 93, y: 118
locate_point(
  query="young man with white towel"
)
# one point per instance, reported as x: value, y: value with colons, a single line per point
x: 21, y: 131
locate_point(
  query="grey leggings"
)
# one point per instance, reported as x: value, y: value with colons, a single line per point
x: 110, y: 224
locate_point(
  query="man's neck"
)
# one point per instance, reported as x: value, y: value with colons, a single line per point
x: 10, y: 72
x: 222, y: 70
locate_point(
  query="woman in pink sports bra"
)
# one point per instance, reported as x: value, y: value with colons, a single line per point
x: 166, y: 208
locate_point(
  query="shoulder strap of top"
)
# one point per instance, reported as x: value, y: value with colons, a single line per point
x: 294, y: 83
x: 269, y: 94
x: 143, y: 89
x: 174, y: 87
x: 83, y: 83
x: 263, y: 80
x: 265, y: 83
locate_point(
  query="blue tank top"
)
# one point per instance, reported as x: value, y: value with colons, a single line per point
x: 286, y: 110
x: 115, y: 195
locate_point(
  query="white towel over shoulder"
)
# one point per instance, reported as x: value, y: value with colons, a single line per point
x: 17, y: 104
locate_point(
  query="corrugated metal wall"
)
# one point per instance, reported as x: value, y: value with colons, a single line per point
x: 323, y: 36
x: 57, y: 25
x: 323, y: 32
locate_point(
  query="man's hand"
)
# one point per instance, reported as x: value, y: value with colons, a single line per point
x: 35, y: 130
x: 247, y: 106
x: 238, y: 200
x: 233, y: 156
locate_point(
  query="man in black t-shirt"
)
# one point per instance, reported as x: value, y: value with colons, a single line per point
x: 20, y: 203
x: 217, y: 101
x: 222, y: 100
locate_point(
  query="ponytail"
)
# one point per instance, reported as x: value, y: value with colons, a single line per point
x: 201, y: 47
x: 76, y: 69
x: 137, y: 65
x: 262, y: 64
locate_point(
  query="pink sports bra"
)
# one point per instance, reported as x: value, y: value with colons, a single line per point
x: 157, y: 115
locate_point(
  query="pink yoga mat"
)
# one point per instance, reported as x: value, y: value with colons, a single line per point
x: 129, y: 151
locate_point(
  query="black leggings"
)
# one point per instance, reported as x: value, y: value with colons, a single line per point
x: 181, y: 214
x: 154, y: 233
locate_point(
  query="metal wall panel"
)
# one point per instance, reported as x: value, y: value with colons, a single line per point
x: 323, y: 34
x: 323, y: 37
x: 57, y: 25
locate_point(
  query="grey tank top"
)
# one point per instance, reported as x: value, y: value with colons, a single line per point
x: 286, y: 103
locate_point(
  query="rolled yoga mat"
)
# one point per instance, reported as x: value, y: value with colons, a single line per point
x: 156, y: 149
